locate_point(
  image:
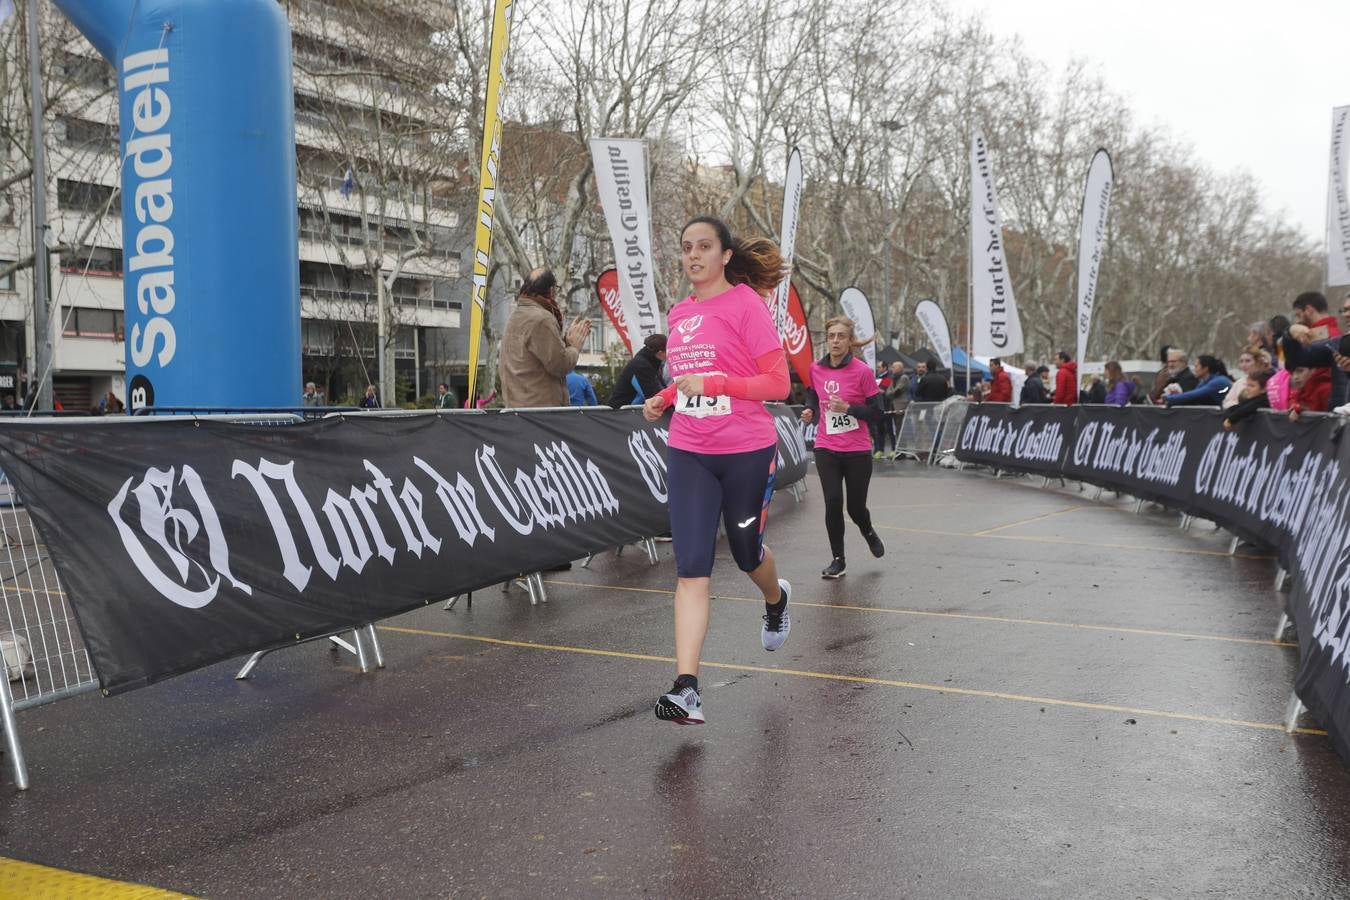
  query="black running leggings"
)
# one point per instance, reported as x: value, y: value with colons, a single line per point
x: 837, y: 470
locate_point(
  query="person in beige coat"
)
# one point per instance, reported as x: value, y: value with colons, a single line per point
x: 536, y: 353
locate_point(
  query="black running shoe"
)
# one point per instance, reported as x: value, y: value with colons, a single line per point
x: 682, y: 705
x: 835, y: 569
x: 874, y: 544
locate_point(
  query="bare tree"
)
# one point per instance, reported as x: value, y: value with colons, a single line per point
x: 383, y: 175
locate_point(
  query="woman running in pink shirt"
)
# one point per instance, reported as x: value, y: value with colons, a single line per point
x: 726, y: 358
x: 844, y: 386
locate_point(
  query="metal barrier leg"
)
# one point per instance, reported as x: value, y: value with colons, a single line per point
x: 537, y: 580
x: 649, y: 544
x: 1232, y: 547
x: 1282, y: 626
x: 1281, y: 578
x: 375, y: 645
x: 1139, y: 507
x: 450, y: 604
x: 249, y: 666
x: 587, y: 563
x: 12, y: 745
x: 1292, y: 712
x: 360, y: 651
x: 1185, y: 522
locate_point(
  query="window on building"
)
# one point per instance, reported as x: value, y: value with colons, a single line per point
x: 6, y: 281
x: 83, y: 322
x: 84, y: 70
x: 317, y: 337
x: 87, y: 135
x: 93, y: 199
x: 92, y: 261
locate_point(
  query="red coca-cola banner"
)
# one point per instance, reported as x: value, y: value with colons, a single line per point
x: 797, y: 337
x: 607, y: 288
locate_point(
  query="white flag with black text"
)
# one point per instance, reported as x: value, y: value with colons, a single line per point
x: 621, y: 178
x: 1091, y: 237
x: 1338, y: 199
x: 997, y: 329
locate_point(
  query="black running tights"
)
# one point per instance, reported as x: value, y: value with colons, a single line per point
x: 836, y: 471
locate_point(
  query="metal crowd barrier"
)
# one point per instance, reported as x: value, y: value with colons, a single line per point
x: 42, y: 650
x: 40, y: 642
x: 949, y: 430
x: 930, y: 430
x: 918, y: 431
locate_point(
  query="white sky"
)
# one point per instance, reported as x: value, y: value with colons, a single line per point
x: 1250, y: 86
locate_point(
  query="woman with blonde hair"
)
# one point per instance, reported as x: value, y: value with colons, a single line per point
x: 844, y: 384
x: 727, y: 359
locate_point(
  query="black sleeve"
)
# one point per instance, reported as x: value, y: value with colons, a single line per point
x: 1246, y: 408
x: 648, y: 380
x: 1317, y: 356
x: 623, y: 393
x: 813, y: 402
x: 871, y: 412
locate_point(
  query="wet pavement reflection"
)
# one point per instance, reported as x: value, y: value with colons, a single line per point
x: 1031, y: 694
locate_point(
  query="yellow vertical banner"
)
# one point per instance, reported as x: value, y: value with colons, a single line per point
x: 488, y: 167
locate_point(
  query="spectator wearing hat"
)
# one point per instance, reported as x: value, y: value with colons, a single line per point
x: 642, y: 377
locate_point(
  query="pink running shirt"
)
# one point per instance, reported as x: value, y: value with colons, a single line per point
x: 854, y: 383
x: 721, y: 335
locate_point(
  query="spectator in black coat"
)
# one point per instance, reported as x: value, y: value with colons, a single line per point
x: 933, y: 388
x: 641, y: 378
x: 1033, y: 389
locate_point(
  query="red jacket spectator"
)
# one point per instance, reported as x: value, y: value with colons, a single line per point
x: 1314, y: 395
x: 1000, y: 387
x: 1066, y: 382
x: 1326, y: 322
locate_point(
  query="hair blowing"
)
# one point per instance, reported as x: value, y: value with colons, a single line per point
x: 754, y: 261
x: 853, y: 341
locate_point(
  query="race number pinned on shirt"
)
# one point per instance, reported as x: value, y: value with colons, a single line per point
x: 839, y: 423
x: 700, y: 406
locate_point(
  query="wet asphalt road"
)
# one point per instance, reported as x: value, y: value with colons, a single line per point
x: 1031, y: 695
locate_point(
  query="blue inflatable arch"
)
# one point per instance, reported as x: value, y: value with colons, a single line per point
x: 209, y: 222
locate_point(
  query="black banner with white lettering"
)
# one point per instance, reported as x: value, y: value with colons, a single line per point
x: 180, y: 543
x: 1025, y: 439
x: 1285, y: 484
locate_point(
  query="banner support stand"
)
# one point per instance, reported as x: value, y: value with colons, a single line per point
x: 355, y: 647
x: 11, y: 727
x: 1292, y: 712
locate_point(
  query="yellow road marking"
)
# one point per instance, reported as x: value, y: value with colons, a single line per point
x: 18, y: 589
x: 1069, y: 542
x: 858, y: 679
x: 24, y: 879
x: 1051, y: 515
x: 1149, y: 632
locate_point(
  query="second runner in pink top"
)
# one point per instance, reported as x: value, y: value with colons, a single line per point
x: 854, y: 383
x: 722, y: 335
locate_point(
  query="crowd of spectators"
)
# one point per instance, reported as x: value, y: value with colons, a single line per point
x: 1297, y: 365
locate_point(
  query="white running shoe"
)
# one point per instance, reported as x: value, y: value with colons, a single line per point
x: 683, y: 706
x: 774, y: 633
